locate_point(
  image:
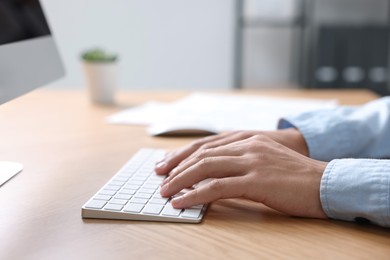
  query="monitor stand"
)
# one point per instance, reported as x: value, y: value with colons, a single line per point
x: 8, y: 170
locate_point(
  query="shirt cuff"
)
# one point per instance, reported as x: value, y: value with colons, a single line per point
x: 356, y: 189
x: 322, y: 134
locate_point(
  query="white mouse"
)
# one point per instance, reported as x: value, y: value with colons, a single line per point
x: 172, y: 129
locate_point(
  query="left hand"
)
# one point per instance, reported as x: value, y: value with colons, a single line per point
x: 289, y: 137
x: 257, y: 168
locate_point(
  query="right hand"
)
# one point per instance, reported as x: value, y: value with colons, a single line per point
x: 257, y: 168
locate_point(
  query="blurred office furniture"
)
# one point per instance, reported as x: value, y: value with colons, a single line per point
x: 277, y: 26
x: 334, y: 43
x: 346, y: 44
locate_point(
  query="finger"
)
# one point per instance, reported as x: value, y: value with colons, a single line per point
x: 217, y: 189
x: 172, y: 159
x: 228, y: 139
x: 231, y: 148
x: 210, y: 167
x: 227, y: 150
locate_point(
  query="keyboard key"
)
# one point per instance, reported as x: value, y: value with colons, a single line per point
x: 153, y: 209
x: 157, y: 177
x: 140, y: 179
x: 114, y: 207
x: 121, y: 178
x: 123, y: 196
x: 191, y: 213
x: 125, y: 175
x: 158, y: 195
x: 158, y: 201
x: 151, y: 186
x: 112, y: 187
x: 153, y: 182
x: 132, y: 186
x: 147, y: 191
x: 139, y: 200
x: 143, y: 174
x: 136, y: 182
x: 145, y: 171
x: 117, y: 183
x: 102, y: 197
x: 107, y: 192
x: 170, y: 211
x: 133, y: 207
x: 118, y: 201
x: 143, y: 195
x: 128, y: 191
x: 96, y: 204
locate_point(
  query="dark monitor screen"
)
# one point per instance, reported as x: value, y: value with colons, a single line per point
x: 21, y: 20
x: 28, y: 53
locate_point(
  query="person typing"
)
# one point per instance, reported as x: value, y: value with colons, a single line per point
x: 331, y: 163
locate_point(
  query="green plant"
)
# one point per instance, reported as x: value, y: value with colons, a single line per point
x: 98, y: 55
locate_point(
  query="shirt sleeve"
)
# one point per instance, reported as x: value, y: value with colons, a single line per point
x: 351, y: 189
x: 345, y: 132
x: 357, y: 189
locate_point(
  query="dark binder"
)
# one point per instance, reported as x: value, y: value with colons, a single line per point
x: 327, y: 62
x: 353, y: 73
x: 377, y: 67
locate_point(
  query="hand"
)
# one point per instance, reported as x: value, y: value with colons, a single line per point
x: 257, y: 168
x: 290, y: 137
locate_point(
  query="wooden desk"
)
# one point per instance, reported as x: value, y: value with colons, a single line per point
x: 69, y: 152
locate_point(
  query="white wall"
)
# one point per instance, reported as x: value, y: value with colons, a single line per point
x: 184, y: 44
x: 175, y: 44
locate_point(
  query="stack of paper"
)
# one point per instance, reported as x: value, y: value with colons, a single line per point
x: 220, y: 112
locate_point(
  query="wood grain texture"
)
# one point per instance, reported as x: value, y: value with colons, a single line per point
x: 69, y: 152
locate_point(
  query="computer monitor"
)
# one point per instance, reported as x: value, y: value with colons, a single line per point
x: 28, y: 56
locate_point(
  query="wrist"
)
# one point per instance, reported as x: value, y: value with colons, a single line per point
x: 293, y: 139
x: 318, y: 171
x: 299, y: 141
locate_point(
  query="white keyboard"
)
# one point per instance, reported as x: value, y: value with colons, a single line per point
x: 133, y: 193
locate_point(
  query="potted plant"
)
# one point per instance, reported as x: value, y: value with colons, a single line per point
x: 100, y: 70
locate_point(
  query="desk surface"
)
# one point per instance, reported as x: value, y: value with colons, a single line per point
x: 69, y: 152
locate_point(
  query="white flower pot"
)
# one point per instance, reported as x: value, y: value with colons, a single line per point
x: 101, y: 79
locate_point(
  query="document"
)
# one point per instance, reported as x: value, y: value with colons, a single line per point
x: 146, y: 114
x: 222, y: 112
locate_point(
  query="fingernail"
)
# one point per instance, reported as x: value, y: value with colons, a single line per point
x: 176, y: 202
x: 164, y: 188
x: 161, y: 164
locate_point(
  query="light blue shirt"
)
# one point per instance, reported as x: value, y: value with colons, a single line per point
x: 356, y: 143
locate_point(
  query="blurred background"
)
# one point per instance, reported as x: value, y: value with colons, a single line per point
x: 224, y: 44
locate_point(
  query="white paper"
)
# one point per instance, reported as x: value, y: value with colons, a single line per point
x: 145, y: 114
x: 220, y: 112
